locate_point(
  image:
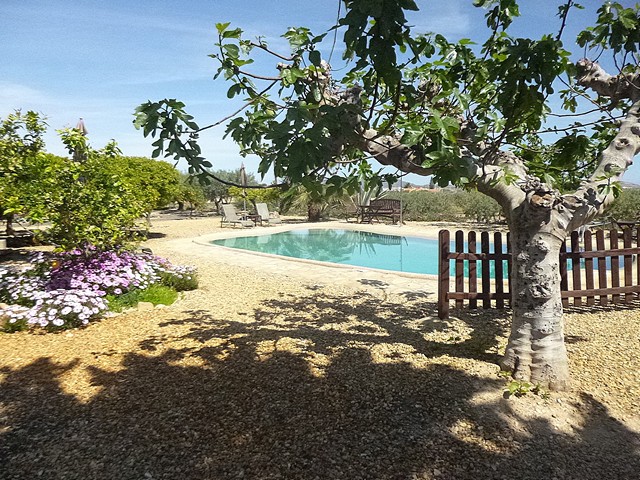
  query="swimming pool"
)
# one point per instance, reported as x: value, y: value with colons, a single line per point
x: 347, y: 247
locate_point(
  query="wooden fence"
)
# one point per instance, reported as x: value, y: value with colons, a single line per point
x: 609, y: 272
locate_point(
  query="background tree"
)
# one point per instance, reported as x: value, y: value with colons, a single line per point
x: 156, y: 183
x: 87, y: 204
x: 94, y: 201
x: 190, y: 192
x: 470, y: 114
x: 217, y: 189
x: 314, y: 199
x: 21, y: 161
x: 270, y: 196
x: 627, y: 205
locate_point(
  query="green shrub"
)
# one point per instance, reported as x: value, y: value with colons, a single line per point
x: 158, y: 295
x: 479, y: 207
x: 447, y: 206
x: 118, y: 303
x: 425, y: 206
x: 12, y: 327
x: 627, y: 205
x: 181, y: 280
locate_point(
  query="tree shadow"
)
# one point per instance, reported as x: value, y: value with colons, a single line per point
x: 336, y: 321
x: 290, y: 396
x: 633, y: 304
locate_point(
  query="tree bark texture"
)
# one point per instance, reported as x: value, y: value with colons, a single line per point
x: 536, y: 351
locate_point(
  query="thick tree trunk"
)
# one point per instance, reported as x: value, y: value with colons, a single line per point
x: 10, y: 231
x: 536, y: 352
x: 314, y: 212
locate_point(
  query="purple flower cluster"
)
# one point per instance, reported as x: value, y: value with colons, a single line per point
x: 68, y: 289
x: 106, y: 273
x: 20, y: 286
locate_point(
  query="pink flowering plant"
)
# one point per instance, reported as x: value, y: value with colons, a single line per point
x: 70, y: 289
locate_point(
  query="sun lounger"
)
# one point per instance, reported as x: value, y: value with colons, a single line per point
x: 270, y: 218
x: 230, y: 217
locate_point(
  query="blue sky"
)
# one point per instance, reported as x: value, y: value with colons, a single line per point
x: 100, y: 59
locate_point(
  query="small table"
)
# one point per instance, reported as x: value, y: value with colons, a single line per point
x: 254, y: 217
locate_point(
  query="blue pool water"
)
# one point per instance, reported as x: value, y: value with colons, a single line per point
x: 362, y: 249
x: 348, y: 247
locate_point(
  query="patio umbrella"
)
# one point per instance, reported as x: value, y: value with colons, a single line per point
x: 243, y: 182
x: 81, y: 126
x: 79, y: 155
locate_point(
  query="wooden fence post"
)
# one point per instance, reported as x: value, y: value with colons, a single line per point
x: 486, y: 271
x: 459, y: 267
x: 497, y: 268
x: 602, y: 268
x: 443, y: 277
x: 576, y: 267
x: 615, y: 265
x: 588, y: 266
x: 473, y: 270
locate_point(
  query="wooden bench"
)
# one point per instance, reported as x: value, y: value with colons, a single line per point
x: 381, y: 208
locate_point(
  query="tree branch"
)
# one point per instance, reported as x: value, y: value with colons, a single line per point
x: 618, y: 87
x: 593, y: 196
x: 257, y: 77
x: 248, y: 104
x: 275, y: 54
x: 388, y: 150
x: 490, y: 177
x: 233, y: 184
x: 565, y: 13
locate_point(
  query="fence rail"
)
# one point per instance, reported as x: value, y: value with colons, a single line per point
x: 594, y: 272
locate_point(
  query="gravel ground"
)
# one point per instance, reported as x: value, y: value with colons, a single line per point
x: 263, y: 374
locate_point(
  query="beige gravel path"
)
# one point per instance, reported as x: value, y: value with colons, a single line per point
x: 275, y: 369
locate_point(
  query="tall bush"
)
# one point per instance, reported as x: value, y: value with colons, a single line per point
x: 627, y: 205
x: 94, y: 199
x: 479, y: 207
x: 87, y: 204
x: 429, y: 206
x: 447, y: 206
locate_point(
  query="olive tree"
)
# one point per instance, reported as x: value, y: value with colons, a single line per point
x: 217, y: 190
x: 471, y: 114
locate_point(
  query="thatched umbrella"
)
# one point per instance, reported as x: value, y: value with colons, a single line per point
x: 243, y: 182
x: 80, y: 155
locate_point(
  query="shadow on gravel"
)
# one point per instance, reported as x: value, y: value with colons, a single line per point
x: 336, y: 321
x: 235, y: 405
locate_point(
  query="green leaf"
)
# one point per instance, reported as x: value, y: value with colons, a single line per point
x: 315, y: 57
x: 221, y: 27
x: 234, y: 90
x: 232, y: 50
x: 235, y: 34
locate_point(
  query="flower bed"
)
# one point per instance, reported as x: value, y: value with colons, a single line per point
x: 70, y: 289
